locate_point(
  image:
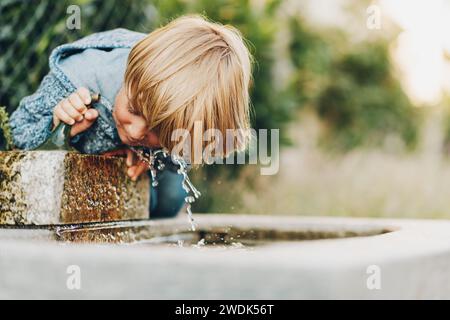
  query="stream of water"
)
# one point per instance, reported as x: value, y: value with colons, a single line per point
x: 156, y: 162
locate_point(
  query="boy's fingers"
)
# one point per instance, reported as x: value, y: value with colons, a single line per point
x: 71, y: 111
x: 84, y: 94
x: 135, y: 171
x: 91, y: 114
x: 140, y: 168
x: 80, y: 127
x: 56, y: 120
x: 130, y: 158
x: 63, y: 116
x: 131, y: 171
x: 77, y: 103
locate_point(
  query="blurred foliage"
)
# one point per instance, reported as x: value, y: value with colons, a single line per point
x: 446, y: 124
x: 311, y: 56
x: 349, y: 86
x: 352, y: 89
x: 6, y: 142
x: 363, y: 104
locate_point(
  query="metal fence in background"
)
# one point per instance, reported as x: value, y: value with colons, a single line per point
x: 30, y: 30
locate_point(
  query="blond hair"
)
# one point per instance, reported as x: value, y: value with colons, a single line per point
x: 188, y: 71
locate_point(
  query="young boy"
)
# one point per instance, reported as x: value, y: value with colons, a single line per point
x: 191, y: 70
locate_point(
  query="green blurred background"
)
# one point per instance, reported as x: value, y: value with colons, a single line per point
x: 354, y: 142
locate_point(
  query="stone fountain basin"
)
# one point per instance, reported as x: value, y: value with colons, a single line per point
x: 412, y: 256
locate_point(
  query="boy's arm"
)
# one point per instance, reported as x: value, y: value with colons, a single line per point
x: 31, y: 123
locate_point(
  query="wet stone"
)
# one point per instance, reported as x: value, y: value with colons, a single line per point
x: 60, y: 187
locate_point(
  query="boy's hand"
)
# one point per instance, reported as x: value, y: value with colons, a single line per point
x: 135, y: 166
x: 74, y: 112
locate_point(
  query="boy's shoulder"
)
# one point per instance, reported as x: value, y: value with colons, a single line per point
x: 116, y: 38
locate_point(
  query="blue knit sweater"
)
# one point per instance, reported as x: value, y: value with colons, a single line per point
x: 31, y: 122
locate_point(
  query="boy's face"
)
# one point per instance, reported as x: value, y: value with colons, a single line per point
x: 132, y: 128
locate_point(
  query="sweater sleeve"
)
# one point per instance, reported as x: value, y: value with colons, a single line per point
x: 31, y: 121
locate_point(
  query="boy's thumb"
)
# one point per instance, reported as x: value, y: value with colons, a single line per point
x: 89, y: 118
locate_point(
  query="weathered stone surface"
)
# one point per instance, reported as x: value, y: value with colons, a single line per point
x: 60, y: 187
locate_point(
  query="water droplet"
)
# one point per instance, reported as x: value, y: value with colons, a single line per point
x: 201, y: 243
